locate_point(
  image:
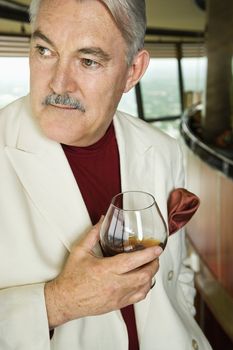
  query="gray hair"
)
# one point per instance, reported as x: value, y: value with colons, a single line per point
x: 129, y: 16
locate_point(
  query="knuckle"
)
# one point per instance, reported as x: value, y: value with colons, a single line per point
x: 113, y: 290
x: 128, y: 261
x: 145, y: 276
x: 98, y: 268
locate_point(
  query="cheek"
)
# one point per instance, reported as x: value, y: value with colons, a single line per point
x: 106, y: 90
x: 37, y: 76
x: 39, y: 83
x: 39, y: 71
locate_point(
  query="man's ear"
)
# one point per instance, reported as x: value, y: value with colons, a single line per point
x: 137, y: 69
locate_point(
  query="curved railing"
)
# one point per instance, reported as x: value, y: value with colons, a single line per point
x: 205, y: 152
x: 210, y: 175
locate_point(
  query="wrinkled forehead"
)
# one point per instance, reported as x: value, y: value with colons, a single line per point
x: 46, y: 5
x: 75, y: 23
x: 74, y: 11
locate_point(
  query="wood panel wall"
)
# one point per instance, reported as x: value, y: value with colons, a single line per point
x: 211, y: 229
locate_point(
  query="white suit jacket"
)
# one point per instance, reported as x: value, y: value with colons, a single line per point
x: 42, y: 214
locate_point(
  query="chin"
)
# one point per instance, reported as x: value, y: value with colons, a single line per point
x: 64, y: 126
x: 53, y: 129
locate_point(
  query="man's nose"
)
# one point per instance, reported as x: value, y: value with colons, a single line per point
x: 63, y: 78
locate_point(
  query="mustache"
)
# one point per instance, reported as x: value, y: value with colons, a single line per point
x: 65, y: 100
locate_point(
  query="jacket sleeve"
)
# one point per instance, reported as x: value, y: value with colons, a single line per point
x: 186, y: 274
x: 23, y: 318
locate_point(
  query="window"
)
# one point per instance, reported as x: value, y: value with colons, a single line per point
x: 14, y: 83
x: 194, y: 76
x: 128, y: 103
x: 160, y: 89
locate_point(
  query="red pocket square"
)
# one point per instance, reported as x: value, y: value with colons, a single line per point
x: 182, y: 205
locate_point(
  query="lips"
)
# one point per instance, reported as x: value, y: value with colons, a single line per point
x: 63, y: 106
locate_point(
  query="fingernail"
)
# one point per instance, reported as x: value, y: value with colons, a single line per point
x: 158, y: 250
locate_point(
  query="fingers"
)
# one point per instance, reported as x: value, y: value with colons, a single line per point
x: 88, y: 285
x: 139, y: 283
x: 120, y: 280
x: 144, y: 275
x: 127, y: 262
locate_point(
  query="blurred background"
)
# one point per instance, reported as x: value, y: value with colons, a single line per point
x: 188, y: 93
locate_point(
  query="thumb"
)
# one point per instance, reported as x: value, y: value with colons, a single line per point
x: 92, y: 237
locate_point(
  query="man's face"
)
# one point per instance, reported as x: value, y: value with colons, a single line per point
x: 76, y: 51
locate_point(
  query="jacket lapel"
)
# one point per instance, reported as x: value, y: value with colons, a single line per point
x: 46, y: 176
x: 135, y: 156
x: 137, y: 169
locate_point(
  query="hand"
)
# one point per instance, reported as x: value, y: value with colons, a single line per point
x: 90, y: 285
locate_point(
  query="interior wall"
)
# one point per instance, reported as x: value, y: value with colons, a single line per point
x: 169, y: 14
x: 175, y: 14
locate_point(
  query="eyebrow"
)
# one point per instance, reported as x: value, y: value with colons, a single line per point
x: 37, y: 34
x: 95, y: 51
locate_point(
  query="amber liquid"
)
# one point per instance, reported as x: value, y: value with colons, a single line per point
x: 131, y: 245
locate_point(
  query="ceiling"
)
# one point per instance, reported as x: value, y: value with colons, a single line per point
x: 164, y: 14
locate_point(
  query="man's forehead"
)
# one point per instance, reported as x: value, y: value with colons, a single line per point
x: 93, y: 13
x: 45, y: 5
x: 78, y: 28
x: 88, y: 50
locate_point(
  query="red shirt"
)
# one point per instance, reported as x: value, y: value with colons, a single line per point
x: 96, y: 169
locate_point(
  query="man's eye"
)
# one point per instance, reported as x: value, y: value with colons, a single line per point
x: 87, y: 62
x: 43, y: 51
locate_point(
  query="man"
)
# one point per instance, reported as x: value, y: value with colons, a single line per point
x: 65, y: 152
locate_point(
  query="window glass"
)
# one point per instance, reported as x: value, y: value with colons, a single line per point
x: 160, y: 89
x: 170, y: 127
x: 128, y: 103
x: 14, y: 82
x: 194, y: 76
